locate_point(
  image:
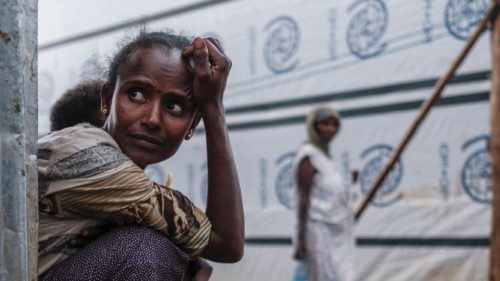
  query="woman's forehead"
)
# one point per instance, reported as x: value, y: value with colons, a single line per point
x: 157, y: 63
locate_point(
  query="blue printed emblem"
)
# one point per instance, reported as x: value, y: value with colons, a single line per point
x: 374, y: 158
x: 444, y: 179
x: 282, y: 44
x: 285, y: 186
x: 366, y: 28
x: 476, y: 172
x: 263, y: 168
x: 461, y: 16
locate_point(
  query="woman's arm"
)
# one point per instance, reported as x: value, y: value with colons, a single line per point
x: 224, y: 204
x: 305, y: 173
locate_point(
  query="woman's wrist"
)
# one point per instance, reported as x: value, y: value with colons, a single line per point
x: 211, y: 109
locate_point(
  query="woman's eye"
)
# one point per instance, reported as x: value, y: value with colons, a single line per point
x: 174, y: 106
x: 137, y: 95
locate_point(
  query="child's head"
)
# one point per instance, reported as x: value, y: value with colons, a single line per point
x: 149, y: 97
x: 78, y: 104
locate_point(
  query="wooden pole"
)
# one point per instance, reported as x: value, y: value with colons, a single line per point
x: 495, y: 149
x: 425, y: 108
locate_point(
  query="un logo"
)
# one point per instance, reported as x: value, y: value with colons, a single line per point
x: 366, y: 28
x: 282, y: 44
x: 461, y: 16
x: 476, y: 172
x: 374, y: 158
x: 285, y: 186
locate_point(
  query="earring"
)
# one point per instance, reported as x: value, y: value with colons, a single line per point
x: 104, y: 111
x: 189, y: 135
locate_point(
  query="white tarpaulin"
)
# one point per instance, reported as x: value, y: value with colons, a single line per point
x: 373, y: 60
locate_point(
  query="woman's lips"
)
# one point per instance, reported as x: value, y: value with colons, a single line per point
x: 147, y: 141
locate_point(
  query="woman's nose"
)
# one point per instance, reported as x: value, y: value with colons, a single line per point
x: 152, y: 115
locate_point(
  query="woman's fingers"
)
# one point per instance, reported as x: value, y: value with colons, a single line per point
x: 79, y: 242
x: 188, y: 50
x: 210, y: 67
x: 202, y: 270
x: 209, y: 49
x: 300, y: 249
x: 200, y: 55
x: 87, y: 235
x: 299, y: 254
x: 216, y: 58
x: 216, y: 43
x: 93, y: 231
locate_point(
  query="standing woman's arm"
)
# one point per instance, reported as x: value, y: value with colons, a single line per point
x: 224, y: 204
x: 305, y: 173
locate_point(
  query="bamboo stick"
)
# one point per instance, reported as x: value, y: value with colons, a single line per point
x: 494, y: 147
x: 425, y: 108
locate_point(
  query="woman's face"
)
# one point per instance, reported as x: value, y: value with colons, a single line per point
x: 151, y: 109
x: 327, y: 129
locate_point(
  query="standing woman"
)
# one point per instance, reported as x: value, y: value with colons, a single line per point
x: 159, y: 87
x: 325, y: 240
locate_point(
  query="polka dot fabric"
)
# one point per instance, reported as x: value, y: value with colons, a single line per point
x: 126, y: 253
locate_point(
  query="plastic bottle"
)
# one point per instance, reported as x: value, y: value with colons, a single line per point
x: 300, y: 273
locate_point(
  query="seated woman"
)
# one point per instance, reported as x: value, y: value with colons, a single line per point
x: 82, y: 104
x: 88, y: 176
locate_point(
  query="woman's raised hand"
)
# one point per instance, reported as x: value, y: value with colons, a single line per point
x: 211, y: 69
x: 224, y: 204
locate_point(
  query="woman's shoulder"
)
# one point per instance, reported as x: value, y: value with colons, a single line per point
x: 307, y: 149
x: 315, y: 155
x: 68, y: 141
x: 83, y: 132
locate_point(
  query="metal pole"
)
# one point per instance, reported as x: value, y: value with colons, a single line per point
x: 18, y: 135
x: 425, y: 108
x: 495, y: 149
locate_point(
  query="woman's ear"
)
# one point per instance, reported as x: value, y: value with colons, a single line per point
x: 192, y: 128
x: 106, y: 98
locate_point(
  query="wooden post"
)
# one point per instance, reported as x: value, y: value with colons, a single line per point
x: 18, y: 135
x: 495, y: 149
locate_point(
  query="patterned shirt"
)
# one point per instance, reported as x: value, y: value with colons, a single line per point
x: 85, y: 180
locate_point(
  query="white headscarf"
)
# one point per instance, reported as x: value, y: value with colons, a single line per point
x: 316, y: 115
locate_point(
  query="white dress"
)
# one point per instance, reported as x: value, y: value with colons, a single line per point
x: 329, y: 226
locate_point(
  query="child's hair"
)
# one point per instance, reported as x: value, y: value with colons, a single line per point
x: 166, y: 39
x: 78, y: 104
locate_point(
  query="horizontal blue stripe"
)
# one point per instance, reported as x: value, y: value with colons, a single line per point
x: 388, y: 241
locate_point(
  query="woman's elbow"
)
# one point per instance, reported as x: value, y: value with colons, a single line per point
x: 227, y: 249
x: 235, y: 251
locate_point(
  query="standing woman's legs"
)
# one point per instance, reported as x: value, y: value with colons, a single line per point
x: 126, y: 253
x: 328, y: 252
